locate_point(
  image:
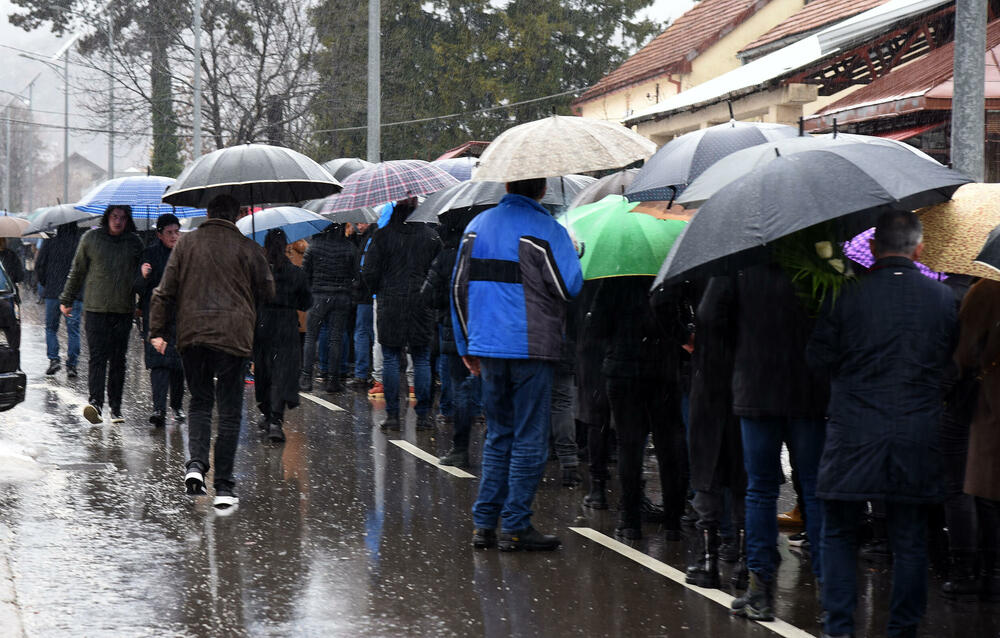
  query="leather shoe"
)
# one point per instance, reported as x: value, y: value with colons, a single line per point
x: 529, y: 539
x: 484, y: 538
x: 53, y: 367
x: 157, y: 418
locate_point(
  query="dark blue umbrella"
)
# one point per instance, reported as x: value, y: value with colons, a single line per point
x: 684, y: 158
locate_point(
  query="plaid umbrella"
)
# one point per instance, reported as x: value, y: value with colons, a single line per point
x: 144, y: 194
x: 388, y: 182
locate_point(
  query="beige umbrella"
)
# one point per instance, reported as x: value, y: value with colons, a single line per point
x: 560, y: 145
x: 955, y: 230
x: 12, y: 226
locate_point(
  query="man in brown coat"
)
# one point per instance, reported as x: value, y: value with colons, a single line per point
x: 212, y: 284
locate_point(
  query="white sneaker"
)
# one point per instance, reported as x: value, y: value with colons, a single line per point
x: 194, y: 482
x: 225, y: 501
x: 93, y: 414
x: 116, y: 417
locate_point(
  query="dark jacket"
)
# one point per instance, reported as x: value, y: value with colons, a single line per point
x: 54, y: 260
x: 106, y: 264
x: 12, y: 265
x: 395, y: 268
x: 214, y: 280
x: 156, y: 256
x: 434, y: 293
x: 277, y: 337
x: 362, y: 294
x: 331, y: 263
x: 592, y: 405
x: 770, y: 332
x: 886, y: 343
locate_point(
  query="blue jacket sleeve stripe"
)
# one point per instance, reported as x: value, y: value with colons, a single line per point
x: 543, y: 247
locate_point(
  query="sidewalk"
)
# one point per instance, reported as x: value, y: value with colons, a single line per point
x: 10, y: 612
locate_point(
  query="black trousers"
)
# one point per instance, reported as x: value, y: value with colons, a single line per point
x: 643, y: 407
x: 337, y: 310
x: 166, y: 379
x: 107, y: 345
x: 214, y: 377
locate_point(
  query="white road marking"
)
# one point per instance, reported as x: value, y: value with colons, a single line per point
x: 325, y: 404
x: 778, y: 626
x: 424, y: 456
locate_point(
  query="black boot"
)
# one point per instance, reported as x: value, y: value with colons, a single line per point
x: 305, y: 382
x: 740, y: 577
x: 991, y: 579
x: 703, y: 568
x: 963, y: 577
x: 275, y: 432
x: 758, y: 601
x: 598, y: 497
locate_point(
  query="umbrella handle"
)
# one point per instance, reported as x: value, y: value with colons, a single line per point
x: 581, y: 249
x: 673, y: 195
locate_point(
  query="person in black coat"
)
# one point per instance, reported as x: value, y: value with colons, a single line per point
x: 52, y: 267
x: 276, y: 353
x: 166, y: 371
x: 395, y: 268
x: 887, y: 342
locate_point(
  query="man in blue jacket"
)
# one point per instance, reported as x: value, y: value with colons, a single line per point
x: 516, y: 271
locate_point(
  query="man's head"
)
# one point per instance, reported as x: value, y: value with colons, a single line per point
x: 530, y: 188
x: 223, y: 207
x: 118, y: 219
x: 168, y: 229
x: 898, y: 234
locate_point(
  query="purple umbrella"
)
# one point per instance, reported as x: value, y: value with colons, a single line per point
x: 858, y: 251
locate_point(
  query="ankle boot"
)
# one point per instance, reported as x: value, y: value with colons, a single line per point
x: 758, y: 601
x: 703, y: 570
x: 990, y: 589
x: 597, y: 499
x: 740, y: 577
x: 963, y: 577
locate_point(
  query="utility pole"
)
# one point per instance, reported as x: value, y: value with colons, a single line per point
x: 111, y: 95
x: 968, y: 105
x: 374, y: 81
x: 66, y: 127
x: 196, y: 116
x: 31, y: 153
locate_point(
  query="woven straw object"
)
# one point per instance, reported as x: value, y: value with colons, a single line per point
x: 955, y: 230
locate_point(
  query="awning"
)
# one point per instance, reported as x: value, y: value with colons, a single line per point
x: 906, y: 133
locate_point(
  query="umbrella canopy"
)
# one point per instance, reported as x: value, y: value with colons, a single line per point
x: 251, y: 174
x: 343, y: 167
x: 142, y: 193
x: 859, y: 250
x: 955, y: 231
x: 616, y: 242
x: 743, y: 161
x: 560, y: 145
x: 613, y: 184
x: 458, y: 167
x: 684, y: 158
x: 989, y: 256
x: 297, y: 223
x: 48, y: 219
x: 11, y: 226
x: 478, y: 196
x: 851, y: 183
x: 366, y: 215
x: 388, y: 182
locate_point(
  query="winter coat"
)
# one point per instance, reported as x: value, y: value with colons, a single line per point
x: 156, y: 256
x: 434, y: 293
x: 296, y: 252
x: 770, y: 330
x: 362, y: 295
x: 516, y: 271
x: 592, y: 405
x: 214, y: 280
x: 331, y: 263
x: 54, y: 260
x: 12, y: 265
x: 886, y: 343
x: 395, y: 267
x: 106, y: 265
x: 978, y: 352
x: 276, y: 334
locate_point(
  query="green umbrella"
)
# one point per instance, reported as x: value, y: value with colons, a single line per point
x: 616, y: 242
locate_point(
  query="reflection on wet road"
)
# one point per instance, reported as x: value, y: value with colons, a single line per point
x: 340, y: 532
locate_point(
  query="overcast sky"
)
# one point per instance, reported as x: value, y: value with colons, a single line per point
x: 16, y: 72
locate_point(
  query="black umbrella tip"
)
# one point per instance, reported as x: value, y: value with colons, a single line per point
x: 777, y: 153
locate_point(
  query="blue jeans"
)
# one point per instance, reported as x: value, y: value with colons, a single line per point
x: 517, y: 397
x: 907, y: 526
x: 323, y: 345
x: 364, y: 334
x: 762, y: 438
x: 394, y: 360
x: 465, y: 387
x: 52, y: 315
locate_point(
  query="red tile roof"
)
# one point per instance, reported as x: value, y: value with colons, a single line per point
x: 672, y: 51
x: 924, y: 84
x: 816, y: 14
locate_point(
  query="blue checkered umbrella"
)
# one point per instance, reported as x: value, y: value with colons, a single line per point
x: 298, y: 223
x: 144, y: 194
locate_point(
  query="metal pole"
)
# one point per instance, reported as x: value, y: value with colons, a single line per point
x: 66, y: 127
x: 968, y: 105
x: 374, y: 81
x: 6, y: 172
x: 31, y: 151
x: 111, y: 101
x: 197, y: 80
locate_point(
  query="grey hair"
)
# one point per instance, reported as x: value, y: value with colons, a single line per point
x: 898, y: 232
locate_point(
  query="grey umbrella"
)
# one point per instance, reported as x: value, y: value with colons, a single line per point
x: 478, y: 196
x: 54, y: 216
x: 251, y: 174
x: 613, y: 184
x: 366, y: 215
x: 849, y: 183
x: 342, y: 167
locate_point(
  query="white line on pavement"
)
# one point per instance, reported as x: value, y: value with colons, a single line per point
x: 779, y: 627
x: 325, y: 404
x: 424, y: 456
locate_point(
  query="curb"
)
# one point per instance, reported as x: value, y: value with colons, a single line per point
x: 10, y: 612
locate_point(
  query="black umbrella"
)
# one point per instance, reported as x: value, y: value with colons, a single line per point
x: 52, y: 217
x: 342, y: 167
x: 990, y: 254
x: 684, y: 158
x: 848, y: 183
x: 251, y: 174
x: 613, y: 184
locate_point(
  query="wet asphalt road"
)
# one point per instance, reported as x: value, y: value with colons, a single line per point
x: 339, y: 532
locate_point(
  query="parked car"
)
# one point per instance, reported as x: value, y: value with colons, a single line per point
x: 12, y: 378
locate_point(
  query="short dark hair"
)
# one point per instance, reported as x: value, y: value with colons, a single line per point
x: 533, y: 188
x: 898, y: 231
x: 223, y: 207
x: 166, y: 219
